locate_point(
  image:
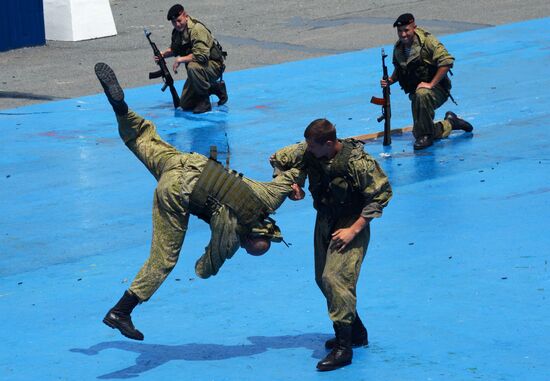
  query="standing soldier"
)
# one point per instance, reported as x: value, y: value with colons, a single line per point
x: 235, y: 207
x: 349, y: 189
x: 193, y: 45
x: 421, y: 66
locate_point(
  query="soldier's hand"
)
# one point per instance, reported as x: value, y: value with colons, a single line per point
x: 341, y: 238
x: 424, y: 85
x: 175, y: 66
x: 384, y: 83
x: 297, y: 193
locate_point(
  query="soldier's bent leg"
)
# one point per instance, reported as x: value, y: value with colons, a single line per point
x: 199, y: 85
x: 423, y: 112
x: 200, y: 77
x: 188, y: 98
x: 170, y: 219
x: 424, y: 102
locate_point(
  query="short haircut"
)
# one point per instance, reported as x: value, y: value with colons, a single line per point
x: 320, y: 131
x: 174, y: 12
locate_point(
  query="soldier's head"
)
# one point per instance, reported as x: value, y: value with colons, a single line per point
x: 258, y: 239
x: 256, y: 245
x: 405, y: 28
x: 321, y: 139
x: 178, y: 17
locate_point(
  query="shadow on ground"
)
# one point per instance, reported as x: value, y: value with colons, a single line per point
x: 151, y: 356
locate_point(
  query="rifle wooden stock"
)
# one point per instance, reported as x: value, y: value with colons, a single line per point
x: 376, y: 135
x: 378, y: 101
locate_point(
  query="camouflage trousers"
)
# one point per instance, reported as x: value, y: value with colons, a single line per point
x: 199, y: 79
x: 424, y: 102
x: 176, y: 173
x: 337, y: 273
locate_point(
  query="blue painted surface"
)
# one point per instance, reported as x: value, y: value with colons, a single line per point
x: 456, y: 279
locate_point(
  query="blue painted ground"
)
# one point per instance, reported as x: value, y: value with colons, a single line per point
x: 455, y: 285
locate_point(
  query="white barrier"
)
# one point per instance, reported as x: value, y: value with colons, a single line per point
x: 76, y: 20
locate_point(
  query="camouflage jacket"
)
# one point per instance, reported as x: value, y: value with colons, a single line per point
x: 363, y: 172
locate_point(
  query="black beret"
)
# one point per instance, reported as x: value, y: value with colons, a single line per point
x: 404, y: 19
x: 174, y: 12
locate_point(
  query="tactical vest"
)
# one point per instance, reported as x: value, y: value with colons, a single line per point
x: 419, y: 70
x: 217, y: 186
x: 335, y: 192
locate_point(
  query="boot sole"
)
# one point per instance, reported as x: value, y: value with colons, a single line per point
x: 113, y: 325
x: 109, y: 81
x: 202, y: 111
x: 353, y: 345
x: 419, y: 148
x: 329, y: 368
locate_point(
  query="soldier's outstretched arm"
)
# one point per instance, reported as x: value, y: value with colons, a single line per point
x: 287, y: 158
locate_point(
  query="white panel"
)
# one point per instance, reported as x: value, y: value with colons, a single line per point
x: 76, y: 20
x: 57, y: 20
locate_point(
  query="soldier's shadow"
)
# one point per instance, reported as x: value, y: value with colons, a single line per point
x: 151, y: 356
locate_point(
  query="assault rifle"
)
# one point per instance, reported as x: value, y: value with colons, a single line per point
x: 385, y: 103
x: 163, y: 71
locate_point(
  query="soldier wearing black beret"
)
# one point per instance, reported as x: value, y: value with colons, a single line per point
x: 193, y: 45
x: 422, y: 65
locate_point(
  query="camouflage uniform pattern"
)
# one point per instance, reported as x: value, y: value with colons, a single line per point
x: 177, y: 173
x: 424, y: 102
x: 203, y: 70
x: 337, y: 273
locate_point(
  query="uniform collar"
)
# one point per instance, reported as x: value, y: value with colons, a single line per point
x: 191, y: 22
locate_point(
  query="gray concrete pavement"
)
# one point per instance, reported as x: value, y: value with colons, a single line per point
x: 255, y: 33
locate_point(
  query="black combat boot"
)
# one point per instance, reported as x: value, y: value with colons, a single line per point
x: 359, y: 335
x: 112, y: 89
x: 203, y: 105
x: 457, y: 123
x: 342, y: 353
x: 423, y: 142
x: 219, y: 90
x: 119, y: 316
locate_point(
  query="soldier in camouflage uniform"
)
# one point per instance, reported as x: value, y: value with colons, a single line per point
x: 349, y: 189
x: 235, y: 207
x: 421, y: 66
x: 193, y: 45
